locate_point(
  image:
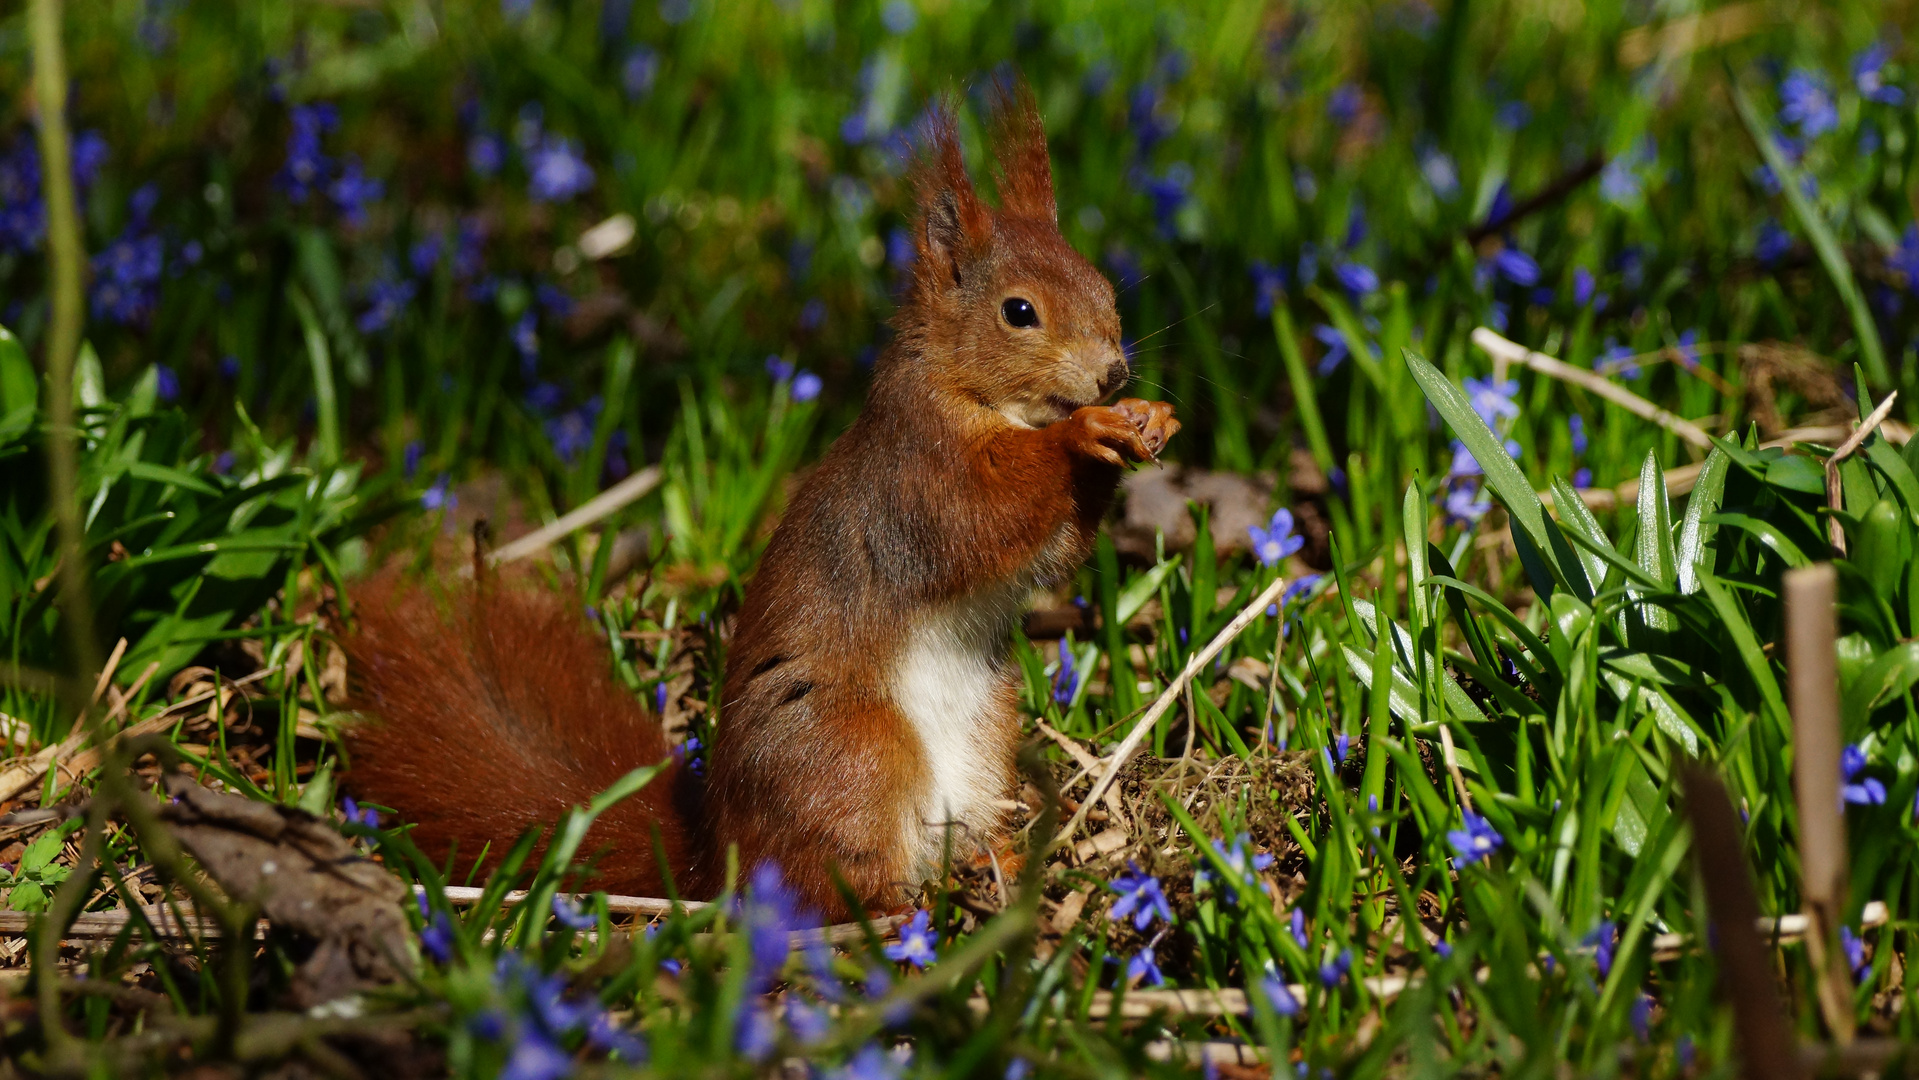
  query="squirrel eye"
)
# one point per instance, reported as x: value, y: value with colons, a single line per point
x: 1019, y: 313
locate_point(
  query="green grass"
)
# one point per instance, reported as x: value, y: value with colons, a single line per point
x: 261, y: 432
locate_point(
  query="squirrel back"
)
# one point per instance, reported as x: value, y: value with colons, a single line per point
x: 496, y: 712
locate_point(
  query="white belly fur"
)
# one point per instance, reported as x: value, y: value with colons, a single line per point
x: 949, y: 682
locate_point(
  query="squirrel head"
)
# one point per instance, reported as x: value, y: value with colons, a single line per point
x: 1001, y: 311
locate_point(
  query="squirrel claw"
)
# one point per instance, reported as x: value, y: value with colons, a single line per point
x: 1155, y: 422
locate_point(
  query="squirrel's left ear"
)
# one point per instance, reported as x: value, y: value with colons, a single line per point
x: 954, y: 227
x: 1025, y: 173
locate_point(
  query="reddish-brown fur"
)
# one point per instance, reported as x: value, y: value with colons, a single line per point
x: 979, y: 468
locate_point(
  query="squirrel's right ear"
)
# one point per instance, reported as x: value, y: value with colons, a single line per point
x: 954, y: 226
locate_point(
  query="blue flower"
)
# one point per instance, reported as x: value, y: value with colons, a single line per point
x: 571, y: 433
x: 813, y: 314
x: 771, y: 913
x: 485, y: 153
x: 1474, y: 843
x: 352, y: 191
x: 1296, y: 925
x: 870, y: 1063
x: 556, y: 172
x: 1773, y: 244
x: 1336, y: 350
x: 757, y: 1031
x: 1280, y: 995
x: 166, y: 384
x: 1855, y: 948
x: 1582, y: 477
x: 601, y: 1032
x: 1240, y: 865
x: 1620, y: 182
x: 1269, y: 286
x: 573, y: 916
x: 1143, y: 966
x: 1168, y: 192
x: 1444, y: 949
x: 900, y: 253
x: 387, y: 297
x: 1641, y: 1018
x: 1855, y: 789
x: 438, y: 497
x: 1617, y: 359
x: 1605, y: 940
x: 1140, y: 897
x: 89, y: 153
x: 1687, y: 349
x: 1493, y: 401
x: 1576, y: 426
x: 1332, y: 971
x: 1276, y: 540
x: 1512, y: 115
x: 1463, y: 505
x: 1904, y: 259
x: 553, y: 300
x: 806, y: 386
x: 1342, y: 108
x: 1356, y: 278
x: 1806, y: 102
x: 1868, y: 75
x: 639, y: 71
x: 1516, y: 266
x: 536, y: 1057
x: 917, y: 942
x: 229, y: 367
x: 1582, y: 286
x: 1066, y: 678
x: 526, y: 338
x: 306, y: 167
x: 437, y: 937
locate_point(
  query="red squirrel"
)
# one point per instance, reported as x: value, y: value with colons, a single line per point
x: 870, y: 703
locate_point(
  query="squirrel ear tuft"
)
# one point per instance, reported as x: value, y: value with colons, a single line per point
x: 1025, y: 173
x: 954, y: 226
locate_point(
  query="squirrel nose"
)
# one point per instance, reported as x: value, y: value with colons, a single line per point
x: 1117, y: 372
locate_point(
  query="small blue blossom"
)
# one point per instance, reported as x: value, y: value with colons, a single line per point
x: 1280, y: 995
x: 387, y: 297
x: 353, y: 191
x: 1904, y: 259
x: 1687, y: 350
x: 1269, y: 286
x: 229, y: 367
x: 1855, y: 947
x: 1773, y: 244
x: 812, y: 314
x: 1516, y: 266
x: 1617, y: 359
x: 639, y: 72
x: 1440, y: 172
x: 1143, y: 966
x: 1241, y: 865
x: 1576, y: 427
x: 1335, y: 969
x: 556, y: 172
x: 1342, y: 108
x: 1605, y: 940
x: 536, y: 1057
x: 1854, y: 788
x: 1582, y: 286
x: 1474, y: 843
x: 771, y: 912
x: 1276, y: 541
x: 917, y: 941
x: 806, y: 385
x: 573, y: 916
x: 1066, y: 677
x: 899, y: 16
x: 1641, y: 1018
x: 1492, y: 400
x: 166, y: 384
x: 1805, y: 101
x: 526, y: 338
x: 307, y: 167
x: 1582, y: 477
x: 870, y: 1063
x: 1356, y: 278
x: 438, y: 497
x: 1444, y: 949
x: 1336, y: 349
x: 354, y: 814
x: 485, y: 153
x: 1869, y: 76
x: 1140, y: 896
x: 1463, y: 505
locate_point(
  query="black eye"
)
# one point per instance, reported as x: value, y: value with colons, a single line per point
x: 1019, y: 313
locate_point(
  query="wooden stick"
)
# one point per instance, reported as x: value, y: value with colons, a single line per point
x: 1167, y: 697
x: 605, y: 504
x: 1835, y: 492
x: 1812, y: 673
x: 1494, y: 345
x: 1765, y: 1037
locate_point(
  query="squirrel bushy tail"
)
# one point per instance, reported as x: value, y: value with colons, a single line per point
x: 493, y: 713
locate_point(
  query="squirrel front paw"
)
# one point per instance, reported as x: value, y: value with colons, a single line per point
x: 1130, y: 431
x: 1154, y: 420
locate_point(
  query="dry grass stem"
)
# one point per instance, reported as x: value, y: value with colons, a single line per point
x: 1835, y: 491
x: 1167, y: 697
x: 605, y: 504
x: 1600, y: 386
